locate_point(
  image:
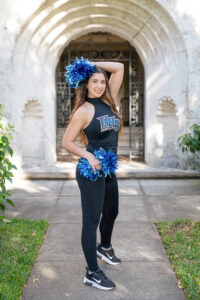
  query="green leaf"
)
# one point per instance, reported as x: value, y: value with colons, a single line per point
x: 2, y: 196
x: 10, y: 151
x: 2, y: 207
x: 10, y: 136
x: 3, y: 188
x: 6, y: 149
x: 6, y: 220
x: 10, y: 126
x: 2, y: 200
x: 9, y: 165
x: 4, y: 139
x: 188, y: 139
x: 2, y: 154
x: 9, y: 179
x: 10, y: 202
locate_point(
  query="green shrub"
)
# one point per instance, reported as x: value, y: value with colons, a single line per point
x: 5, y: 164
x: 190, y: 142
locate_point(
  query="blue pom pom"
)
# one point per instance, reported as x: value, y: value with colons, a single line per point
x: 112, y: 161
x: 79, y: 70
x: 108, y: 162
x: 86, y: 170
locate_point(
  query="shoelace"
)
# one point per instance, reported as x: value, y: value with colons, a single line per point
x: 111, y: 252
x: 100, y: 272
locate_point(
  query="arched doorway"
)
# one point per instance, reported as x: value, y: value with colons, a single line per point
x: 107, y: 47
x: 148, y: 26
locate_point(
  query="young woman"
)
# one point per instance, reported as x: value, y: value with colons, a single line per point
x: 96, y: 119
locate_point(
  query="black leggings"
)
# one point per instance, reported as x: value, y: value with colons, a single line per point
x: 97, y: 197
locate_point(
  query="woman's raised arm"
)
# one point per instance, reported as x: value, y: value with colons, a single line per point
x: 116, y: 78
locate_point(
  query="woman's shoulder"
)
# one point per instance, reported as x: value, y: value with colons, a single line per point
x: 83, y: 111
x: 87, y: 107
x: 80, y: 112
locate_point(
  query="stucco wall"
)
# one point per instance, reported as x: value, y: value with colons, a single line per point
x: 166, y: 35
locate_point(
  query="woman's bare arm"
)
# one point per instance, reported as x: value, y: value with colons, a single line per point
x: 115, y: 81
x: 73, y: 129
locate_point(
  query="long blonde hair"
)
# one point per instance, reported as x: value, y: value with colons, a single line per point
x: 81, y: 96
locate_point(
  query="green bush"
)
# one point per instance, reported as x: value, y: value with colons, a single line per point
x: 190, y: 142
x: 5, y: 164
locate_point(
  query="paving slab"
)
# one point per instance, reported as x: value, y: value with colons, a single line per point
x: 172, y: 207
x: 68, y: 209
x: 129, y: 187
x: 35, y: 187
x: 132, y: 244
x: 61, y: 244
x: 70, y: 187
x: 31, y: 207
x: 171, y: 186
x: 131, y: 209
x: 134, y: 281
x: 126, y: 187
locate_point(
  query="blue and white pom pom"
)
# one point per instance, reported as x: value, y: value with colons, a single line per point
x: 86, y: 170
x: 79, y: 70
x: 108, y: 161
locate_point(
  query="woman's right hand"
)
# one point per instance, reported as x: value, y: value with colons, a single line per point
x: 94, y: 162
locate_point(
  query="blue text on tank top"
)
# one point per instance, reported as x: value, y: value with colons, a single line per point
x: 103, y: 129
x: 108, y: 123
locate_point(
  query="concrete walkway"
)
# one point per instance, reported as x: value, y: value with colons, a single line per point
x: 145, y: 272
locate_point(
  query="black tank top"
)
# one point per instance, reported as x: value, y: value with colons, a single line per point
x: 102, y: 132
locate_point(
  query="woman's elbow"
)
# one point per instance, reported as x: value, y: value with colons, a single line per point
x: 121, y: 66
x: 65, y: 144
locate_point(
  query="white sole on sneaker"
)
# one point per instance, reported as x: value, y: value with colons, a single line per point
x: 96, y: 285
x: 101, y: 256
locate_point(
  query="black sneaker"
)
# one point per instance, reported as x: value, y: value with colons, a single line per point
x: 98, y: 279
x: 107, y: 255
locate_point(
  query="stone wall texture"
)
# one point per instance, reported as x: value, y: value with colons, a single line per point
x: 166, y: 35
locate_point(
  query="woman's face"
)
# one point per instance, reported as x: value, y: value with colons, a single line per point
x: 96, y: 85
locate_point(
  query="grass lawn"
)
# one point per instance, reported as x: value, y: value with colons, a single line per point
x: 20, y: 243
x: 181, y: 240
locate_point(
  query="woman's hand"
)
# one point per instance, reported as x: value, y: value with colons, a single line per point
x: 93, y: 161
